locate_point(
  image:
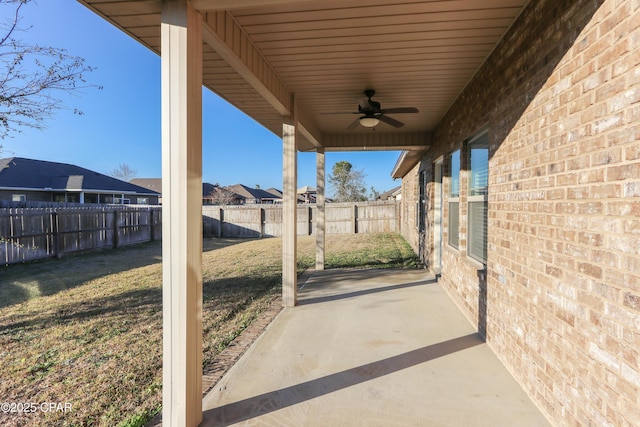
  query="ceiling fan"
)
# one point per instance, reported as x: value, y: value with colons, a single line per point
x: 372, y: 114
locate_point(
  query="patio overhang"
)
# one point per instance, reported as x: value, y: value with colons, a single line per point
x: 260, y: 54
x: 300, y: 69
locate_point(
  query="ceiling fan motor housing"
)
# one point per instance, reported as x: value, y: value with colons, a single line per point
x: 372, y: 113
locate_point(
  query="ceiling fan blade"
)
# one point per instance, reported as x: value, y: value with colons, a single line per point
x: 390, y: 121
x: 354, y: 124
x: 339, y: 112
x: 399, y: 110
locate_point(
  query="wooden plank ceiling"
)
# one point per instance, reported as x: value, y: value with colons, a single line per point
x: 413, y: 53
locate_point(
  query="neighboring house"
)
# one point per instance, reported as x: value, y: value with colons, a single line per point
x: 215, y: 195
x: 254, y: 195
x: 275, y: 194
x: 306, y: 194
x: 30, y: 180
x: 237, y: 194
x: 393, y: 194
x: 154, y: 184
x: 211, y: 193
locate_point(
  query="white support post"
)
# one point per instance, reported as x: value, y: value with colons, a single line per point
x: 289, y: 215
x: 181, y: 38
x: 320, y: 218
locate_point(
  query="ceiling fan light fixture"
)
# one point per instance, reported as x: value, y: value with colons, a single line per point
x: 369, y: 122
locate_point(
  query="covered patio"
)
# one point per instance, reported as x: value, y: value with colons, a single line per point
x: 305, y: 70
x: 370, y: 348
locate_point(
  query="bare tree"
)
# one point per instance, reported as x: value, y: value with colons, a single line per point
x: 348, y: 183
x: 373, y: 193
x: 32, y: 76
x: 124, y: 172
x: 223, y: 196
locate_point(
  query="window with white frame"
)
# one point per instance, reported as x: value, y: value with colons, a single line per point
x: 454, y: 199
x: 19, y: 197
x: 478, y: 156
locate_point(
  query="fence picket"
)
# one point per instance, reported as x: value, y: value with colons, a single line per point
x: 28, y: 234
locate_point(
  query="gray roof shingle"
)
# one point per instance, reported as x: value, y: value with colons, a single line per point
x: 18, y: 172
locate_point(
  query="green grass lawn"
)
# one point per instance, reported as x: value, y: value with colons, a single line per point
x: 86, y: 331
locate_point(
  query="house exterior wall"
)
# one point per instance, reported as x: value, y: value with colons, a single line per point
x: 36, y: 196
x: 559, y: 301
x: 408, y: 208
x: 48, y: 196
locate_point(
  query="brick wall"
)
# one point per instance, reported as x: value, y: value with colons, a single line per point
x: 561, y: 297
x: 408, y: 210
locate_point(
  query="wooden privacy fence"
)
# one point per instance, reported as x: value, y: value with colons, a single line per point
x: 266, y: 220
x: 28, y: 234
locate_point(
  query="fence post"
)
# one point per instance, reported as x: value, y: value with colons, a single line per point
x: 355, y: 219
x: 55, y: 231
x: 151, y: 227
x: 261, y: 218
x: 220, y: 221
x: 310, y: 221
x: 116, y: 229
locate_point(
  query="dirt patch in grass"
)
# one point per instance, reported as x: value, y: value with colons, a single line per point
x: 85, y: 332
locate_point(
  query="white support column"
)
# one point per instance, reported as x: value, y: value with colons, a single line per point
x: 181, y: 214
x: 320, y: 219
x: 289, y: 215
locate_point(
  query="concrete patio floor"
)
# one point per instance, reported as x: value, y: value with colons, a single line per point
x: 370, y: 348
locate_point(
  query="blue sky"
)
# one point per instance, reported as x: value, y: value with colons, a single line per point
x: 121, y: 122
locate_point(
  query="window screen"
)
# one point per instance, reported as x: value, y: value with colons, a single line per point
x: 477, y: 200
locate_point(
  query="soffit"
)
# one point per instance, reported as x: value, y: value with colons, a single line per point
x: 413, y: 53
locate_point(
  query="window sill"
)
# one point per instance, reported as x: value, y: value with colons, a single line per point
x: 466, y: 258
x: 475, y: 263
x: 452, y: 249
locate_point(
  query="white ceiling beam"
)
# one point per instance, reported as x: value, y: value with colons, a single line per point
x: 308, y: 129
x: 213, y: 5
x: 380, y: 148
x: 376, y: 141
x: 225, y: 36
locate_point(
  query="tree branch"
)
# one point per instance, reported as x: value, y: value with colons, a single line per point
x: 30, y: 75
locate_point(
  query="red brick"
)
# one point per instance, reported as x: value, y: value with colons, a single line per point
x: 608, y: 123
x: 632, y: 153
x: 591, y: 239
x: 606, y: 157
x: 567, y: 179
x: 632, y: 226
x: 625, y: 208
x: 591, y: 208
x: 590, y: 176
x: 564, y: 205
x: 626, y: 135
x: 606, y: 191
x: 616, y: 173
x: 578, y: 163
